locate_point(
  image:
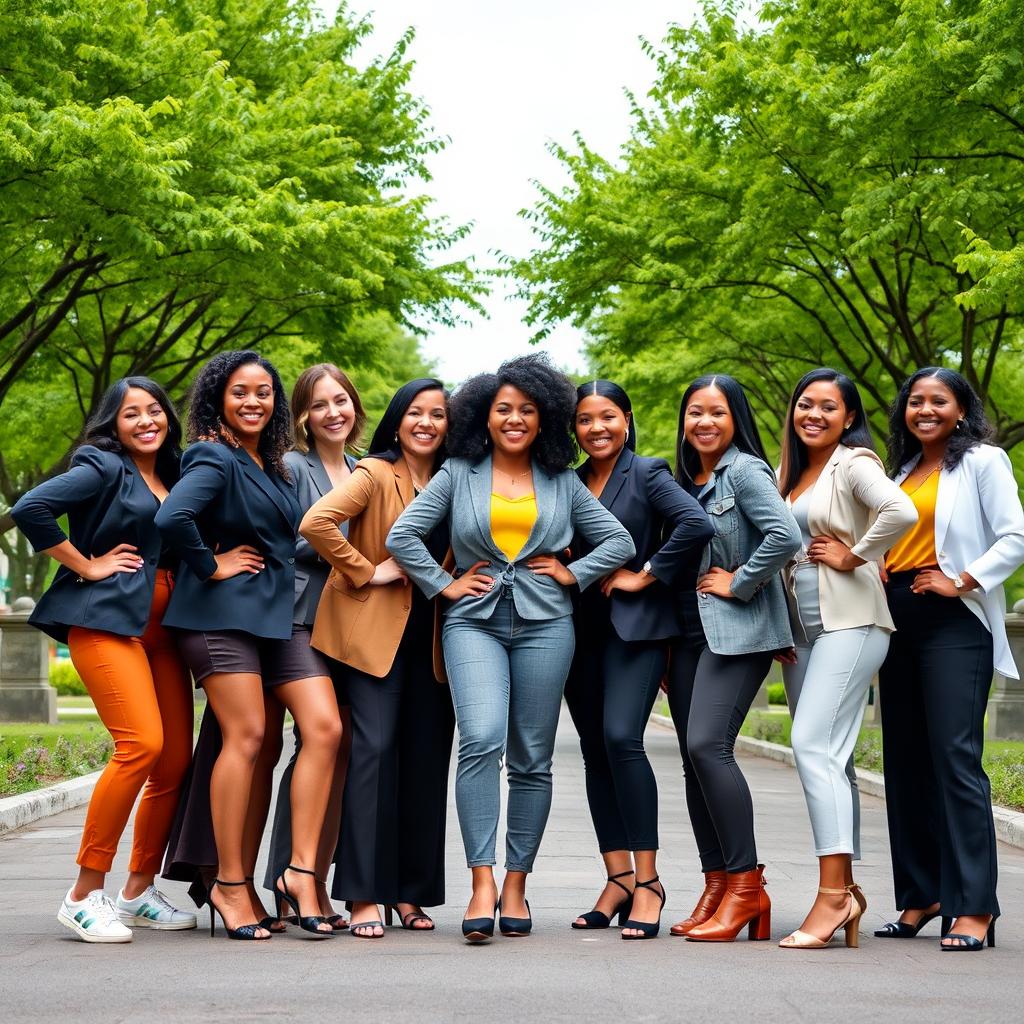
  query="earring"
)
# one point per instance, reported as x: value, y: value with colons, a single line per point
x: 396, y: 437
x: 959, y: 425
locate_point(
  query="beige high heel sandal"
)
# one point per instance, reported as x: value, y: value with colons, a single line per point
x: 804, y: 940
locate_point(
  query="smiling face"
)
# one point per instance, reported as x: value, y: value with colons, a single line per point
x: 820, y: 415
x: 513, y: 422
x: 331, y: 415
x: 248, y: 401
x: 708, y: 424
x: 424, y: 425
x: 932, y: 411
x: 601, y: 427
x: 141, y: 423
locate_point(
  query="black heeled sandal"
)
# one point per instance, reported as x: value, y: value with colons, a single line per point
x: 597, y: 918
x: 479, y: 929
x: 647, y: 930
x: 244, y: 931
x: 269, y: 922
x: 408, y: 921
x: 968, y: 943
x: 310, y: 923
x: 902, y: 930
x: 515, y: 927
x: 336, y: 921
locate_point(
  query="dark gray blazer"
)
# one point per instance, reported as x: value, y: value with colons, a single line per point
x: 460, y: 492
x: 311, y: 483
x: 755, y: 536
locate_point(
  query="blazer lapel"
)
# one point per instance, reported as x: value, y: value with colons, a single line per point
x: 317, y: 473
x: 403, y: 482
x: 945, y: 500
x: 287, y: 508
x: 907, y: 468
x: 822, y: 494
x: 623, y: 465
x: 723, y: 463
x: 545, y: 491
x: 480, y: 493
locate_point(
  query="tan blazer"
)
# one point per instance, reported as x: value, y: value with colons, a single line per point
x: 357, y: 624
x: 855, y: 502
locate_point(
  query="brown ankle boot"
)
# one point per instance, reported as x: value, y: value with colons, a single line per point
x: 714, y: 890
x: 745, y: 903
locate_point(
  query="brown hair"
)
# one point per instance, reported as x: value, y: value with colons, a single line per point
x: 302, y: 399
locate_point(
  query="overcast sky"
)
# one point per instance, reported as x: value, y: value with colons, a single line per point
x: 503, y: 80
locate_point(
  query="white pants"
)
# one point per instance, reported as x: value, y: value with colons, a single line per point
x: 826, y: 690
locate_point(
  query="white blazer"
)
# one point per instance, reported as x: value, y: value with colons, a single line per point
x: 979, y: 529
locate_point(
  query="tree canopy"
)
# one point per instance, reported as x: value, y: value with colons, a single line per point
x: 841, y: 184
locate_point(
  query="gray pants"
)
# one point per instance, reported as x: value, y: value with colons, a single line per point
x: 826, y: 690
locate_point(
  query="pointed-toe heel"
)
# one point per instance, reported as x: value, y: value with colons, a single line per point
x: 595, y: 919
x: 244, y: 931
x: 850, y: 923
x: 309, y: 923
x: 479, y: 929
x: 647, y: 929
x: 515, y: 927
x: 902, y: 930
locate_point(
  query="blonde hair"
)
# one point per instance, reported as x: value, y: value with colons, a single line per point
x: 302, y: 399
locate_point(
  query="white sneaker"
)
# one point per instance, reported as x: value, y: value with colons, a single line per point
x: 153, y: 910
x: 93, y: 919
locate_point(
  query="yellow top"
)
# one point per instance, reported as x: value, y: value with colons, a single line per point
x: 512, y: 520
x: 916, y: 548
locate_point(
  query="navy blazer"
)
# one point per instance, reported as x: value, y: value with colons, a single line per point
x: 669, y: 529
x: 224, y: 499
x: 311, y: 571
x: 107, y: 503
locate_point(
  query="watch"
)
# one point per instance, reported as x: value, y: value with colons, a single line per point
x: 646, y: 570
x: 958, y: 582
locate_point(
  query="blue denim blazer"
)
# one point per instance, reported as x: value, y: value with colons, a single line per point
x: 755, y: 536
x: 460, y: 492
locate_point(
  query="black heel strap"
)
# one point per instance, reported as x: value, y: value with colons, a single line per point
x: 301, y: 871
x: 222, y: 883
x: 621, y: 874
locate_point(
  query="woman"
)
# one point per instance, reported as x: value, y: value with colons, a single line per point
x: 106, y: 602
x: 231, y: 518
x: 849, y: 513
x: 512, y: 505
x: 622, y: 632
x: 327, y: 419
x: 946, y: 597
x: 733, y: 623
x: 382, y: 630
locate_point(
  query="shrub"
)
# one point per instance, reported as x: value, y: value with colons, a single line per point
x: 776, y: 693
x: 66, y: 680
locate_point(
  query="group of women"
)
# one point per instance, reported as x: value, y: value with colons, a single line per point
x: 462, y: 573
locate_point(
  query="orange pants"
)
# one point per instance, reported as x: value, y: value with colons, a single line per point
x: 143, y: 695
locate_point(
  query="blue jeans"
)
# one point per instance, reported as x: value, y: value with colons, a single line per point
x: 506, y: 675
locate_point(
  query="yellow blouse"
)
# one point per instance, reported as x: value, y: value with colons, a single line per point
x: 512, y: 520
x: 916, y: 548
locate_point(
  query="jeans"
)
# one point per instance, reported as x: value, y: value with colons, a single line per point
x: 826, y: 690
x: 506, y: 675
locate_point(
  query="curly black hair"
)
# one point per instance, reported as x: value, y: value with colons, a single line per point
x: 207, y: 405
x: 972, y: 430
x: 555, y: 396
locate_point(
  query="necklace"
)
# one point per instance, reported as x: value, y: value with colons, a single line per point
x: 924, y: 479
x: 509, y: 476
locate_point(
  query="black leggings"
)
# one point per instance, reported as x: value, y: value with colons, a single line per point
x: 709, y: 696
x: 934, y: 687
x: 610, y: 692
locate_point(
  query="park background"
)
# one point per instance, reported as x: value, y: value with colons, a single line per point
x: 647, y: 191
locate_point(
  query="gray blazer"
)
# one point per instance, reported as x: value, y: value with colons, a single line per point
x: 461, y: 492
x: 311, y: 571
x: 755, y: 536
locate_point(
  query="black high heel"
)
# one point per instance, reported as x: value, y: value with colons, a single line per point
x: 408, y: 922
x: 310, y: 923
x: 515, y: 927
x: 902, y: 930
x: 245, y: 931
x: 597, y: 918
x: 479, y: 929
x: 968, y: 943
x: 336, y: 921
x: 269, y: 922
x: 647, y: 929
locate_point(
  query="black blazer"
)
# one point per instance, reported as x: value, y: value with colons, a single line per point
x: 311, y: 571
x: 224, y: 499
x: 107, y: 503
x: 669, y: 529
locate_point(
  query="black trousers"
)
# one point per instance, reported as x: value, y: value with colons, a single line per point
x: 391, y: 848
x: 709, y: 695
x: 933, y: 688
x: 610, y: 692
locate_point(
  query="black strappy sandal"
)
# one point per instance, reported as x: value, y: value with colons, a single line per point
x: 902, y: 930
x: 274, y: 925
x: 407, y: 921
x: 598, y: 919
x: 648, y: 930
x: 244, y: 931
x: 336, y: 921
x: 310, y: 923
x: 968, y: 943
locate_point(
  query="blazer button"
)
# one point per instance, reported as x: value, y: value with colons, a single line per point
x: 291, y: 561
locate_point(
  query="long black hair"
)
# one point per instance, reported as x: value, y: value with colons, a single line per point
x: 856, y: 435
x: 101, y: 428
x: 205, y: 422
x: 972, y: 430
x: 610, y: 390
x: 384, y: 443
x: 747, y: 438
x: 554, y: 447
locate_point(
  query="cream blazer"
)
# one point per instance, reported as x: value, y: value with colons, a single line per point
x: 855, y: 502
x: 979, y: 529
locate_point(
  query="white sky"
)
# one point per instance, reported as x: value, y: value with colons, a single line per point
x: 502, y: 81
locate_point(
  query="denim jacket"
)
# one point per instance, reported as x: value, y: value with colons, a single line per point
x: 755, y: 536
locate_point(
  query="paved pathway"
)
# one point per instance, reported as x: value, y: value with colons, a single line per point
x: 555, y: 975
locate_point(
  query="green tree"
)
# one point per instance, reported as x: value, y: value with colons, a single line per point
x: 825, y: 188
